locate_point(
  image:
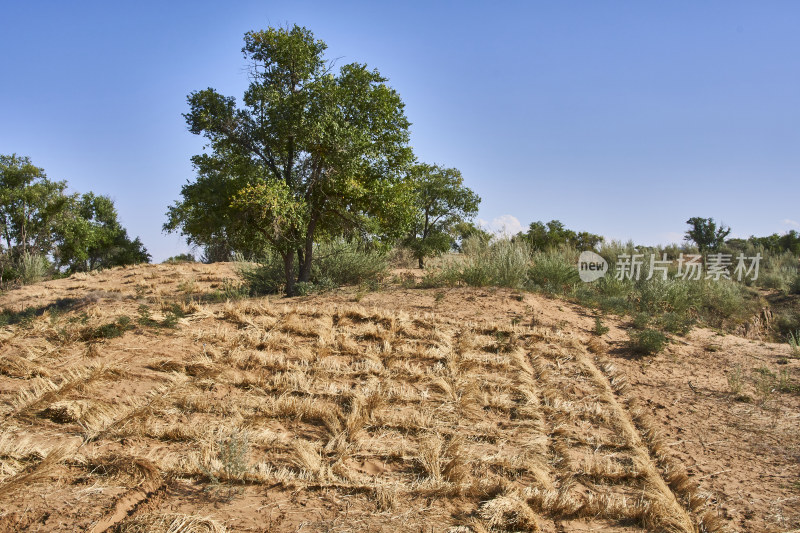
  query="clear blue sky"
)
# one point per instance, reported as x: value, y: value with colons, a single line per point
x: 620, y: 118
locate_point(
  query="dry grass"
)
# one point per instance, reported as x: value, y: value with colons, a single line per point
x: 347, y: 418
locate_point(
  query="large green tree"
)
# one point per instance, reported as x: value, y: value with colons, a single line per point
x: 30, y: 206
x: 442, y: 204
x: 311, y: 154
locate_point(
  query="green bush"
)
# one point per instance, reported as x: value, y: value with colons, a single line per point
x: 647, y: 341
x: 266, y: 276
x: 553, y: 272
x: 503, y: 263
x: 600, y: 329
x: 335, y: 264
x: 344, y: 263
x: 32, y: 268
x: 181, y: 258
x: 794, y: 287
x: 676, y: 322
x: 108, y: 331
x: 725, y: 300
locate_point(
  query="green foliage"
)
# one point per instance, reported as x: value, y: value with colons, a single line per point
x: 89, y: 236
x: 793, y: 339
x: 338, y: 263
x: 775, y: 243
x: 33, y: 267
x: 170, y: 320
x: 30, y: 206
x: 554, y: 272
x: 234, y: 453
x: 312, y: 155
x: 544, y: 237
x: 347, y: 263
x: 705, y: 234
x: 647, y: 341
x: 39, y: 220
x: 503, y: 263
x: 180, y: 258
x: 600, y: 329
x: 442, y: 203
x: 109, y: 330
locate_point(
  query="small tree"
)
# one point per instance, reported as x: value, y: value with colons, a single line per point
x: 705, y: 234
x: 89, y: 236
x: 443, y: 203
x: 38, y: 220
x: 542, y: 236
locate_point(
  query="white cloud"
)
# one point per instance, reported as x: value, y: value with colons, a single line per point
x: 789, y: 222
x: 504, y: 225
x: 672, y: 237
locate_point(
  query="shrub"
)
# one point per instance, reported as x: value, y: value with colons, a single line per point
x: 344, y: 263
x: 641, y: 320
x: 109, y: 330
x: 721, y: 300
x: 181, y: 258
x: 266, y: 276
x: 647, y: 341
x: 599, y: 328
x: 679, y: 323
x: 794, y: 287
x: 335, y: 264
x: 793, y: 339
x: 553, y: 273
x: 503, y: 263
x: 32, y: 267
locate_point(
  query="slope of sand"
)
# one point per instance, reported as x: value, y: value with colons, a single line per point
x: 398, y: 410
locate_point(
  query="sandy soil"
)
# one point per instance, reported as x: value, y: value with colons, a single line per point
x: 137, y: 399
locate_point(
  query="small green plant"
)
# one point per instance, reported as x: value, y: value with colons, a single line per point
x: 108, y: 331
x: 170, y: 320
x: 186, y: 286
x: 735, y: 380
x: 600, y: 329
x: 793, y: 339
x: 766, y: 383
x: 438, y: 296
x: 647, y: 341
x: 172, y: 313
x: 144, y: 316
x: 785, y: 382
x: 505, y: 341
x: 233, y: 454
x: 641, y: 320
x: 676, y: 322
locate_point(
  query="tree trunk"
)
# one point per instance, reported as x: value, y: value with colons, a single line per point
x: 308, y: 251
x: 421, y: 262
x: 288, y: 270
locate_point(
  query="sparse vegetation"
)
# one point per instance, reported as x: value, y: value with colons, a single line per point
x: 793, y: 340
x: 385, y: 407
x: 647, y: 341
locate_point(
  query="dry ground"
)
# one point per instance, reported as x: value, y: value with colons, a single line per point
x: 458, y: 410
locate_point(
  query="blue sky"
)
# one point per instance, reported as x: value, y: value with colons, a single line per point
x: 620, y: 118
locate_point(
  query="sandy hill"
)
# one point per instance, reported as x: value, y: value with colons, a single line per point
x: 138, y: 399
